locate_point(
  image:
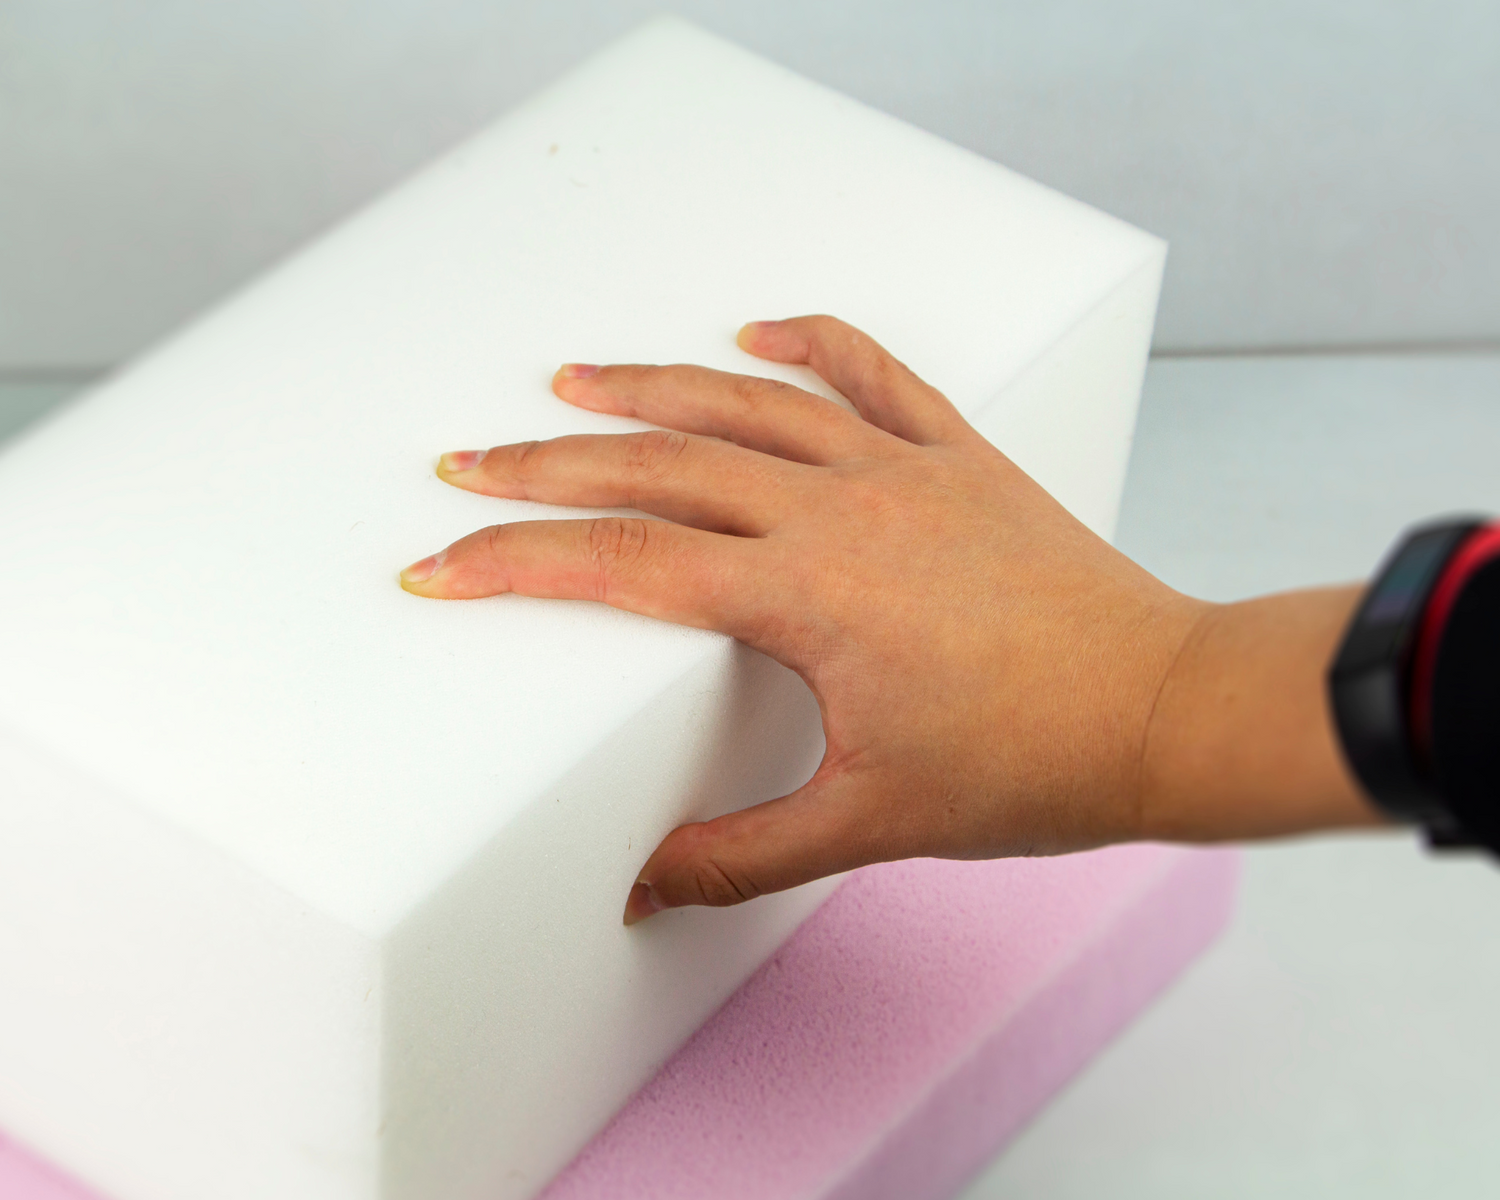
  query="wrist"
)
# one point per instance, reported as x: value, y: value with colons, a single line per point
x: 1240, y: 742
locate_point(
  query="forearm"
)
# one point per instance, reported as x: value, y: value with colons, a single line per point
x: 1241, y: 742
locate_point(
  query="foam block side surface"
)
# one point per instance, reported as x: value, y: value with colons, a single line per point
x: 209, y: 1018
x: 985, y: 1099
x: 455, y: 1123
x: 1089, y: 381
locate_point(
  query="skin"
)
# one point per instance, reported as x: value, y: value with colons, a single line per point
x: 994, y: 679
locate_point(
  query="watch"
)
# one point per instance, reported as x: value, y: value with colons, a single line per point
x: 1370, y: 682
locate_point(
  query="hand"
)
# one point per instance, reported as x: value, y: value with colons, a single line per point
x: 986, y: 667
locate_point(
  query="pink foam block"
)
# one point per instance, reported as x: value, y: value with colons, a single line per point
x: 24, y: 1178
x: 910, y: 1028
x: 901, y: 1037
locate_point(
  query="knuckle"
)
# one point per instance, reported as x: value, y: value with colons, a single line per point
x: 614, y: 545
x: 823, y: 326
x: 721, y: 885
x: 527, y: 459
x: 754, y: 392
x: 652, y: 455
x: 494, y: 541
x: 747, y: 389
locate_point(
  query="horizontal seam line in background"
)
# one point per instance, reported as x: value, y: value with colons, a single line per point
x: 42, y: 376
x: 49, y: 376
x: 1334, y: 349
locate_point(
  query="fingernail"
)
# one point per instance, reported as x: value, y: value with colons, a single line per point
x: 421, y: 572
x: 747, y: 332
x: 579, y: 370
x: 642, y: 903
x: 456, y: 461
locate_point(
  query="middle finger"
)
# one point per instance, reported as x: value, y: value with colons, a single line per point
x: 696, y: 481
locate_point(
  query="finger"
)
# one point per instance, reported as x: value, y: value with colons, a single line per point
x: 692, y: 480
x: 809, y: 834
x: 881, y: 387
x: 651, y: 567
x: 759, y: 414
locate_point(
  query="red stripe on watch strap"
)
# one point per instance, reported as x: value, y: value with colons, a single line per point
x: 1481, y: 546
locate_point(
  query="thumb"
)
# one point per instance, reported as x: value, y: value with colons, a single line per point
x: 767, y: 848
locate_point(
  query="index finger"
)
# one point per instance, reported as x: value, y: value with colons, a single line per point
x: 655, y: 568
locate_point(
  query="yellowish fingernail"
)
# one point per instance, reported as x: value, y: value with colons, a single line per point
x: 642, y: 903
x: 747, y: 333
x: 421, y: 572
x: 455, y: 462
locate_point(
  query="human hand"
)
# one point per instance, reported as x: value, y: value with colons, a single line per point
x: 986, y: 667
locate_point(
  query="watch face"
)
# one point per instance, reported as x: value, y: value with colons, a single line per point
x: 1402, y: 587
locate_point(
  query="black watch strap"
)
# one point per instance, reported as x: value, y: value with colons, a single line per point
x: 1465, y: 701
x: 1368, y: 681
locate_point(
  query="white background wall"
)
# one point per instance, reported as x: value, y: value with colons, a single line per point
x: 1328, y: 172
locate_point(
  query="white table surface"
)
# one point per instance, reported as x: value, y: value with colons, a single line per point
x: 1343, y: 1038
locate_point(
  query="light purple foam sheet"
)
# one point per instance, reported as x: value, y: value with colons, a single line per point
x: 902, y: 1036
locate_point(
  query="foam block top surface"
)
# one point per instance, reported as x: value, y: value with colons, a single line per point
x: 197, y: 562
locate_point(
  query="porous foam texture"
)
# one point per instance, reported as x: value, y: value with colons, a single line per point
x: 900, y: 1037
x: 312, y: 889
x: 910, y: 1028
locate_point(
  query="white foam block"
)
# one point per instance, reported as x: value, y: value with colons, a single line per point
x: 312, y: 889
